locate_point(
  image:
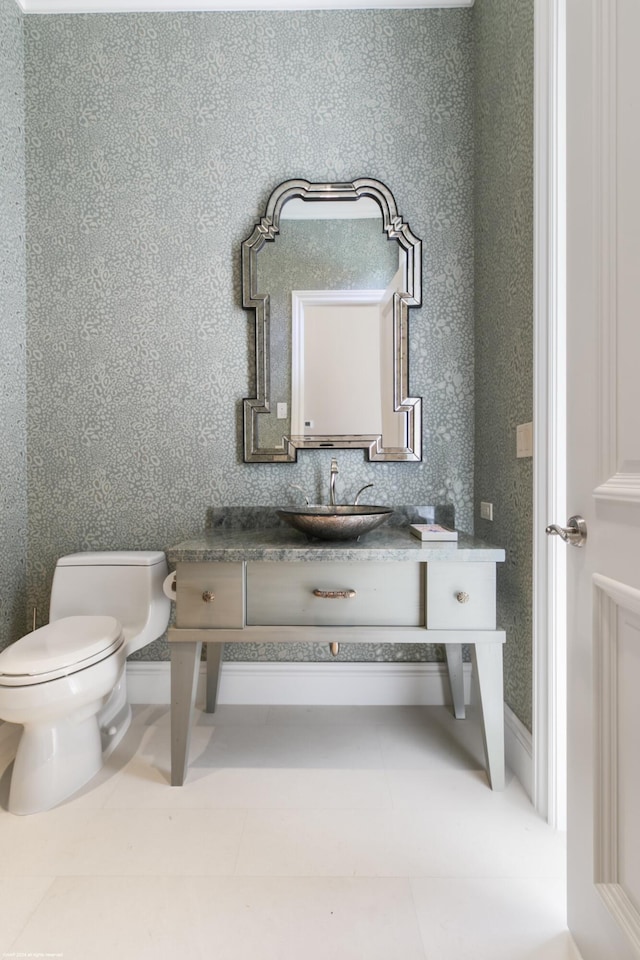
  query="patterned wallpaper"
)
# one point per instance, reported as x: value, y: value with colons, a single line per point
x: 151, y: 152
x: 504, y: 315
x: 153, y: 143
x: 13, y: 469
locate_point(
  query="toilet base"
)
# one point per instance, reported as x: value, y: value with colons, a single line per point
x: 53, y: 762
x: 114, y: 718
x: 60, y: 748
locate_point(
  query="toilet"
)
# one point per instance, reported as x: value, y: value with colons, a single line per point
x: 66, y: 683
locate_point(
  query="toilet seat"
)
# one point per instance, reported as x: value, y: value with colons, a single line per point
x: 59, y: 649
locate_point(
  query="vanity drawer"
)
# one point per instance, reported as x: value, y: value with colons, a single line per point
x: 210, y: 595
x: 461, y: 596
x: 384, y: 594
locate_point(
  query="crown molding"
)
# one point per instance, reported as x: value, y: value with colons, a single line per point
x: 183, y: 6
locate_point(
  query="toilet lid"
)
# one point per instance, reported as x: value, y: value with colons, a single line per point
x: 59, y: 648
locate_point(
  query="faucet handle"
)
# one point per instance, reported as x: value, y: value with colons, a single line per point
x: 296, y: 486
x: 332, y: 482
x: 361, y: 490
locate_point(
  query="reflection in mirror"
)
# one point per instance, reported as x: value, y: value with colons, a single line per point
x: 331, y: 297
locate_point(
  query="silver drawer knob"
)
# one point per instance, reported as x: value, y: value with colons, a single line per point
x: 335, y: 594
x: 208, y: 596
x: 462, y: 597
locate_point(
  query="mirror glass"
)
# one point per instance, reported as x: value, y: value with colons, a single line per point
x: 330, y: 272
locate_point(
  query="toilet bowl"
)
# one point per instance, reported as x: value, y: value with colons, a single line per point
x: 66, y: 682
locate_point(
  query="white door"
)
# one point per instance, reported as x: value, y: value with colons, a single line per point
x: 603, y: 463
x: 341, y: 337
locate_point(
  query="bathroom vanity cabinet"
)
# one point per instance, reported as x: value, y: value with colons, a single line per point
x: 273, y: 585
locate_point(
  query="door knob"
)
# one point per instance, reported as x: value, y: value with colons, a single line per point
x: 574, y: 533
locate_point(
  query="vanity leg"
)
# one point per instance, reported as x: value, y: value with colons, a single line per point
x: 185, y: 664
x: 214, y: 658
x: 487, y: 666
x: 453, y: 653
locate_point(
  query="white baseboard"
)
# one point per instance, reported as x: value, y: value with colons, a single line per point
x: 388, y: 684
x: 518, y: 748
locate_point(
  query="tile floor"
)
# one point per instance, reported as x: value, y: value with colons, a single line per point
x: 363, y: 833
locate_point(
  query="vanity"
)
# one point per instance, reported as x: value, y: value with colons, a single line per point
x: 330, y: 273
x: 253, y: 580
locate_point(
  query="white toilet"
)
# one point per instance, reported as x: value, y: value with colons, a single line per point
x: 65, y: 683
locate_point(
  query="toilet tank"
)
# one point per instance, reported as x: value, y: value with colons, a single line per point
x: 125, y: 584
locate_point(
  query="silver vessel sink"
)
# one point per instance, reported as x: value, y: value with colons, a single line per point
x: 339, y: 522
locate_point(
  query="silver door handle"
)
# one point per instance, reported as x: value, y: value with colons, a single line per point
x: 574, y: 533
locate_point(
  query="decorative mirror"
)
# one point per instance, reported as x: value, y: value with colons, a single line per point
x: 331, y: 271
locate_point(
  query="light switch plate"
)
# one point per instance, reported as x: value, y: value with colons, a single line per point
x: 281, y: 411
x: 524, y: 440
x: 486, y: 510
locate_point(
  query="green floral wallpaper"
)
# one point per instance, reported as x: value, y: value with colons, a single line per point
x: 153, y: 143
x: 13, y: 469
x: 503, y: 32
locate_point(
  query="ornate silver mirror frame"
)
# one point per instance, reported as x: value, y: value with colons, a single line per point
x: 410, y: 294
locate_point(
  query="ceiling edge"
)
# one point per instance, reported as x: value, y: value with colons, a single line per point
x: 184, y: 6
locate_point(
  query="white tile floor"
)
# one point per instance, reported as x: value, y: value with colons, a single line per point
x: 364, y: 833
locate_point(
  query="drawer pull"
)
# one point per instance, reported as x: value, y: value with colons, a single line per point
x: 462, y: 597
x: 208, y: 596
x: 334, y: 594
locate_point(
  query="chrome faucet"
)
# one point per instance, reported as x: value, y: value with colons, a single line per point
x: 360, y: 491
x: 332, y: 482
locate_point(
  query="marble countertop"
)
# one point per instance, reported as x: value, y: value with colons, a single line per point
x: 386, y: 544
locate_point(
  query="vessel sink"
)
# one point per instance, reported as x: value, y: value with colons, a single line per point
x: 339, y: 522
